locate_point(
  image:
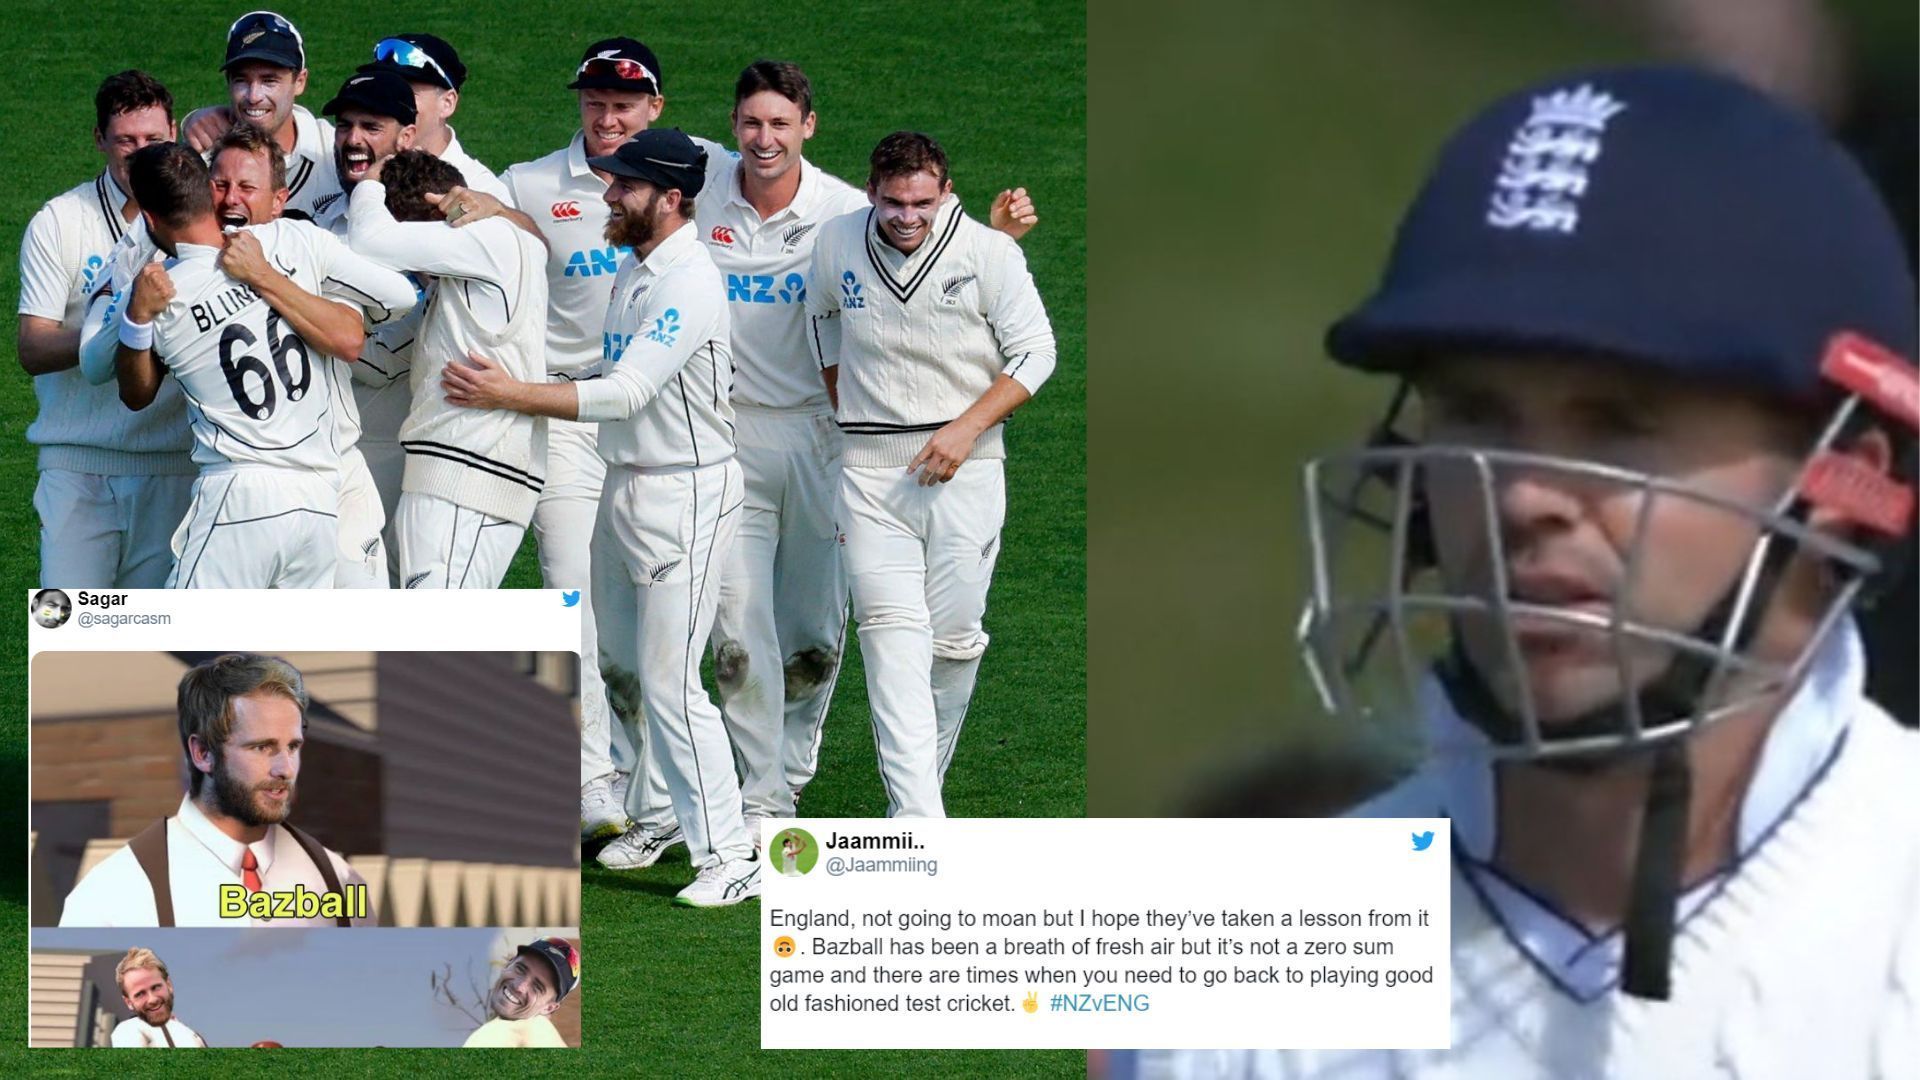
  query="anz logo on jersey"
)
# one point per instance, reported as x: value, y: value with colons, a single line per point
x: 759, y: 289
x: 596, y: 261
x: 612, y: 345
x: 89, y: 272
x: 850, y: 297
x: 666, y: 327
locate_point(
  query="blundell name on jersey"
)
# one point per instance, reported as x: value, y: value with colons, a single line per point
x: 211, y: 313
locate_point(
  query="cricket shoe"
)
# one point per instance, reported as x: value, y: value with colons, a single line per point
x: 726, y: 882
x: 639, y: 847
x: 601, y: 815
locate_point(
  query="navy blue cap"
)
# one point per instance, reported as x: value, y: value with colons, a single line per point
x: 1662, y: 216
x: 663, y: 157
x: 618, y: 63
x: 377, y: 88
x: 265, y: 36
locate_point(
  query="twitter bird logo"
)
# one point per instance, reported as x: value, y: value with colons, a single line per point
x: 1423, y: 840
x: 572, y: 599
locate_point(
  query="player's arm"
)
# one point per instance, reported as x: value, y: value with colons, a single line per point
x: 426, y: 247
x: 335, y: 329
x: 138, y: 369
x: 1019, y: 323
x: 479, y: 383
x: 823, y: 327
x: 45, y: 346
x: 464, y: 206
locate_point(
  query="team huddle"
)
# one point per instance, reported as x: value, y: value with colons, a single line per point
x: 726, y: 390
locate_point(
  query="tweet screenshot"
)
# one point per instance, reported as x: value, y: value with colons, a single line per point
x: 223, y: 781
x: 1065, y: 933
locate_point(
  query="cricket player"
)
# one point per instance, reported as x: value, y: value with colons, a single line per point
x: 148, y: 991
x: 242, y: 726
x: 264, y: 507
x: 672, y: 501
x: 472, y: 477
x: 266, y: 69
x: 782, y: 618
x: 928, y: 327
x: 113, y: 484
x: 620, y: 91
x: 1651, y: 457
x: 526, y: 993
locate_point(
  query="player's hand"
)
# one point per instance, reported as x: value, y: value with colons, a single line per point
x: 152, y: 292
x: 478, y: 383
x: 244, y: 260
x: 944, y: 453
x: 464, y: 206
x: 1013, y: 213
x: 205, y: 126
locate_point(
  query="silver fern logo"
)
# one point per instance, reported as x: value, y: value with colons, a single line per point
x: 658, y: 575
x: 1545, y: 173
x: 792, y: 237
x: 950, y: 288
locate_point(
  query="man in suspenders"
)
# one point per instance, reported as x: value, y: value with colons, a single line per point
x: 148, y: 991
x: 242, y: 727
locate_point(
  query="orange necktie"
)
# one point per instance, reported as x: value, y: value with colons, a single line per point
x: 250, y: 871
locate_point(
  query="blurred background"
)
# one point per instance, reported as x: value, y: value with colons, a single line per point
x: 446, y: 779
x: 1252, y: 162
x: 296, y: 987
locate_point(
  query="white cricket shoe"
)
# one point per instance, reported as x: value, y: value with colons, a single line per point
x: 601, y: 815
x: 638, y: 848
x: 727, y: 882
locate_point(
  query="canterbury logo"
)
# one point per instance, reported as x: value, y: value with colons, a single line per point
x: 792, y: 237
x: 566, y: 211
x: 658, y: 574
x: 723, y: 235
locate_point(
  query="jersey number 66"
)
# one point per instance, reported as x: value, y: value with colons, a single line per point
x: 281, y: 349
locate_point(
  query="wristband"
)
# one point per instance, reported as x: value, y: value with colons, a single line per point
x: 136, y: 335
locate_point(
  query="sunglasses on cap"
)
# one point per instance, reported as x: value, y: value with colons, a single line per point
x: 268, y: 20
x: 407, y: 54
x: 624, y: 70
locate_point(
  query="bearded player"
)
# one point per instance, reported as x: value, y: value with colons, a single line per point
x: 529, y: 989
x: 1649, y: 459
x: 242, y: 720
x: 148, y: 991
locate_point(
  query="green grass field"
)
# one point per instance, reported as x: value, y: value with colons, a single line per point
x: 1003, y: 87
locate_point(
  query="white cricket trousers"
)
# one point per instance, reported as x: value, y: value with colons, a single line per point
x: 107, y: 532
x: 563, y: 525
x: 447, y: 546
x: 363, y: 552
x: 258, y: 527
x: 919, y: 560
x: 662, y: 537
x: 782, y: 622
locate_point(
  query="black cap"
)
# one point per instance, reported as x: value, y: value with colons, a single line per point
x: 430, y: 60
x: 377, y: 89
x: 664, y: 157
x: 266, y: 36
x: 619, y: 63
x: 564, y: 958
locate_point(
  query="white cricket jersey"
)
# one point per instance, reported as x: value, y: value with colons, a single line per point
x: 478, y: 176
x: 919, y: 338
x: 567, y: 200
x: 664, y: 396
x: 765, y: 263
x: 489, y: 298
x: 136, y: 1033
x: 256, y: 392
x: 64, y: 261
x: 200, y: 859
x: 311, y: 176
x: 1768, y: 981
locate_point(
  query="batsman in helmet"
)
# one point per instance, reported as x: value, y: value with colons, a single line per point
x: 1651, y: 446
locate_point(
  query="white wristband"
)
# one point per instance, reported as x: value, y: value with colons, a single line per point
x: 136, y: 335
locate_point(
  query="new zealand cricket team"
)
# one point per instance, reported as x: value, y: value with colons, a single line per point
x: 736, y: 400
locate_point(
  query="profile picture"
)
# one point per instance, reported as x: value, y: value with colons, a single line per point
x: 51, y: 608
x: 794, y: 852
